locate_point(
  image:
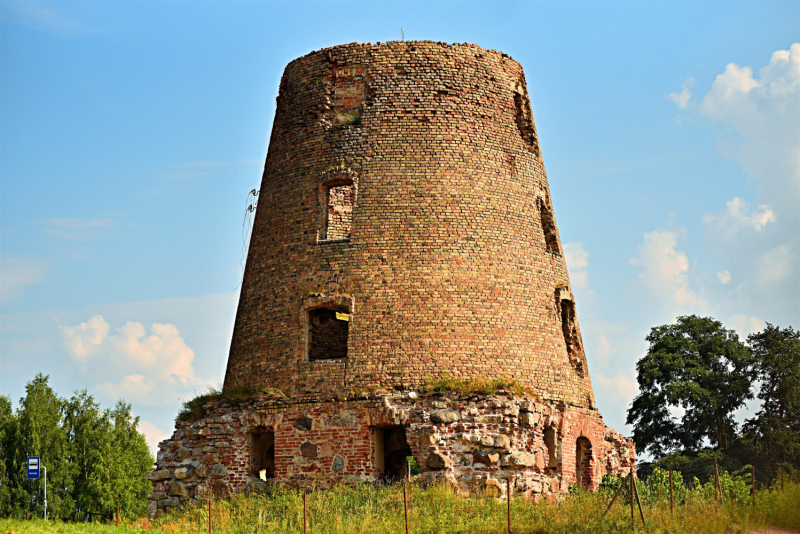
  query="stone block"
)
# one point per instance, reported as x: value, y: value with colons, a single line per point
x: 501, y: 441
x: 183, y: 472
x: 529, y: 419
x: 486, y: 458
x: 518, y: 459
x: 338, y: 464
x: 308, y: 450
x: 489, y: 418
x: 177, y: 489
x: 218, y: 470
x: 160, y: 474
x: 444, y: 416
x: 437, y: 460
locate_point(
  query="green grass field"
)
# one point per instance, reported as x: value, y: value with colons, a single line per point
x: 366, y: 509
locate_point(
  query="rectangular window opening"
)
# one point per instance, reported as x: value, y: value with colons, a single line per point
x: 262, y: 454
x: 328, y: 330
x: 339, y: 211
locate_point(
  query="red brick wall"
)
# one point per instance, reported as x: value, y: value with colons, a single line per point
x: 448, y: 267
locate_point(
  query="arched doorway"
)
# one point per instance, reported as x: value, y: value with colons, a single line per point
x: 583, y: 463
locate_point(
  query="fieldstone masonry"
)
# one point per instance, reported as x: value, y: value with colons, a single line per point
x: 404, y: 231
x: 471, y: 443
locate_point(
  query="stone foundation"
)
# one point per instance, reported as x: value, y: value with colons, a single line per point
x: 473, y: 443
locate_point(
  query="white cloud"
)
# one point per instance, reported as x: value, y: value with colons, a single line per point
x: 724, y: 277
x: 74, y: 229
x: 153, y: 434
x: 617, y: 391
x: 86, y: 337
x: 577, y: 262
x: 40, y: 17
x: 682, y: 98
x: 150, y: 369
x: 763, y: 125
x: 17, y: 274
x: 745, y: 325
x: 665, y: 273
x: 775, y: 266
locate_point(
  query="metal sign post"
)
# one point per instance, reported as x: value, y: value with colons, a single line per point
x: 34, y: 465
x: 45, y: 492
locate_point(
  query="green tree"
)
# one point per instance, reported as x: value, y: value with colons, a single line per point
x: 775, y: 429
x: 6, y: 427
x: 40, y: 433
x: 698, y: 365
x: 89, y: 435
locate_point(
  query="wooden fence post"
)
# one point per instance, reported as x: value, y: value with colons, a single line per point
x: 305, y: 521
x: 508, y: 494
x: 753, y: 483
x: 716, y: 483
x: 632, y: 520
x: 117, y: 515
x: 781, y: 479
x: 209, y: 516
x: 405, y: 505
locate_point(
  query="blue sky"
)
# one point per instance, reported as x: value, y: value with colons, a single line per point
x: 132, y: 132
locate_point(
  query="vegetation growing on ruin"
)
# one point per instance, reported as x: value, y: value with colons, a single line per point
x: 350, y: 117
x: 473, y: 386
x: 194, y: 409
x: 369, y: 509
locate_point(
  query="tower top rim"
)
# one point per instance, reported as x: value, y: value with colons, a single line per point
x: 397, y: 44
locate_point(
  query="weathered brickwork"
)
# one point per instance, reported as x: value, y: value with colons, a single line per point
x: 404, y: 231
x: 472, y: 443
x: 447, y: 247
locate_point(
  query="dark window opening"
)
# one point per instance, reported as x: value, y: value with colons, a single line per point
x: 548, y: 227
x: 583, y: 463
x: 550, y: 442
x: 571, y: 339
x: 262, y: 454
x: 524, y: 120
x: 338, y: 213
x: 327, y: 333
x: 391, y: 452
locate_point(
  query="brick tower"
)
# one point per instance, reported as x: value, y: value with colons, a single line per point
x: 404, y: 232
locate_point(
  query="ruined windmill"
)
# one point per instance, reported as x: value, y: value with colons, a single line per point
x: 404, y: 232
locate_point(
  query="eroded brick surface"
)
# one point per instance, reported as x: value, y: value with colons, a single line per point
x: 490, y: 438
x: 447, y: 248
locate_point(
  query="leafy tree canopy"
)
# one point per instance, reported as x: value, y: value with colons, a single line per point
x: 697, y: 366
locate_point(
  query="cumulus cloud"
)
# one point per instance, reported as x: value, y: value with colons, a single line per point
x: 616, y: 392
x: 17, y: 275
x: 724, y: 277
x: 745, y: 325
x: 682, y: 99
x: 86, y: 337
x: 760, y: 244
x: 577, y: 262
x: 665, y: 273
x: 151, y: 369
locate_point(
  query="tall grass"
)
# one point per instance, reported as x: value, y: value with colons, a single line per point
x: 368, y: 509
x: 379, y: 509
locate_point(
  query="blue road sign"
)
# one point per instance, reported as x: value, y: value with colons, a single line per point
x: 33, y: 467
